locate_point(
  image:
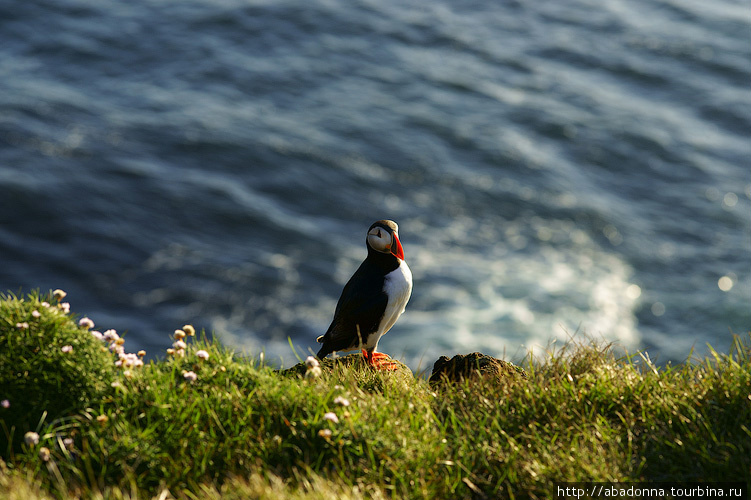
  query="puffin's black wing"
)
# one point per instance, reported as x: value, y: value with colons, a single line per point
x: 361, y: 305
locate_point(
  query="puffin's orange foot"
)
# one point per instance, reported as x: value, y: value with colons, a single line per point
x: 385, y: 364
x: 380, y: 361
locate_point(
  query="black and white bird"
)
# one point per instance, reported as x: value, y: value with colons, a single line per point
x: 373, y: 298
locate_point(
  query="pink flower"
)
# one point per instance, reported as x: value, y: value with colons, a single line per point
x: 331, y: 416
x: 127, y: 360
x: 31, y: 438
x: 36, y: 313
x: 110, y: 335
x: 65, y: 306
x: 202, y: 354
x: 67, y: 348
x: 341, y: 401
x: 22, y: 326
x: 5, y: 403
x: 190, y: 376
x: 86, y: 323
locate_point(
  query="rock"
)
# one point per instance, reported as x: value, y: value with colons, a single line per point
x: 475, y: 364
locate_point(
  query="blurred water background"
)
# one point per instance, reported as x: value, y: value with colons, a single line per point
x: 555, y: 167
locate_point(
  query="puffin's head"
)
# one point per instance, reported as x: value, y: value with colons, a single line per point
x: 383, y: 236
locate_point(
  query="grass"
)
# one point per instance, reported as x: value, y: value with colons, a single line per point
x: 243, y: 430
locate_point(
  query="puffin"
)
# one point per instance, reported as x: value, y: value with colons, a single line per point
x: 373, y: 298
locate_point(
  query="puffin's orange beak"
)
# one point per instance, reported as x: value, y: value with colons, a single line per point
x: 398, y: 251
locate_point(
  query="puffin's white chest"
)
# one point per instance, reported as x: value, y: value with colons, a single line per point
x: 398, y: 288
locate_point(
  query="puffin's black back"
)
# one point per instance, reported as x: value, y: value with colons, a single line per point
x: 361, y: 304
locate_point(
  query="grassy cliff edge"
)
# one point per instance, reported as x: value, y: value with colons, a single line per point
x: 82, y: 417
